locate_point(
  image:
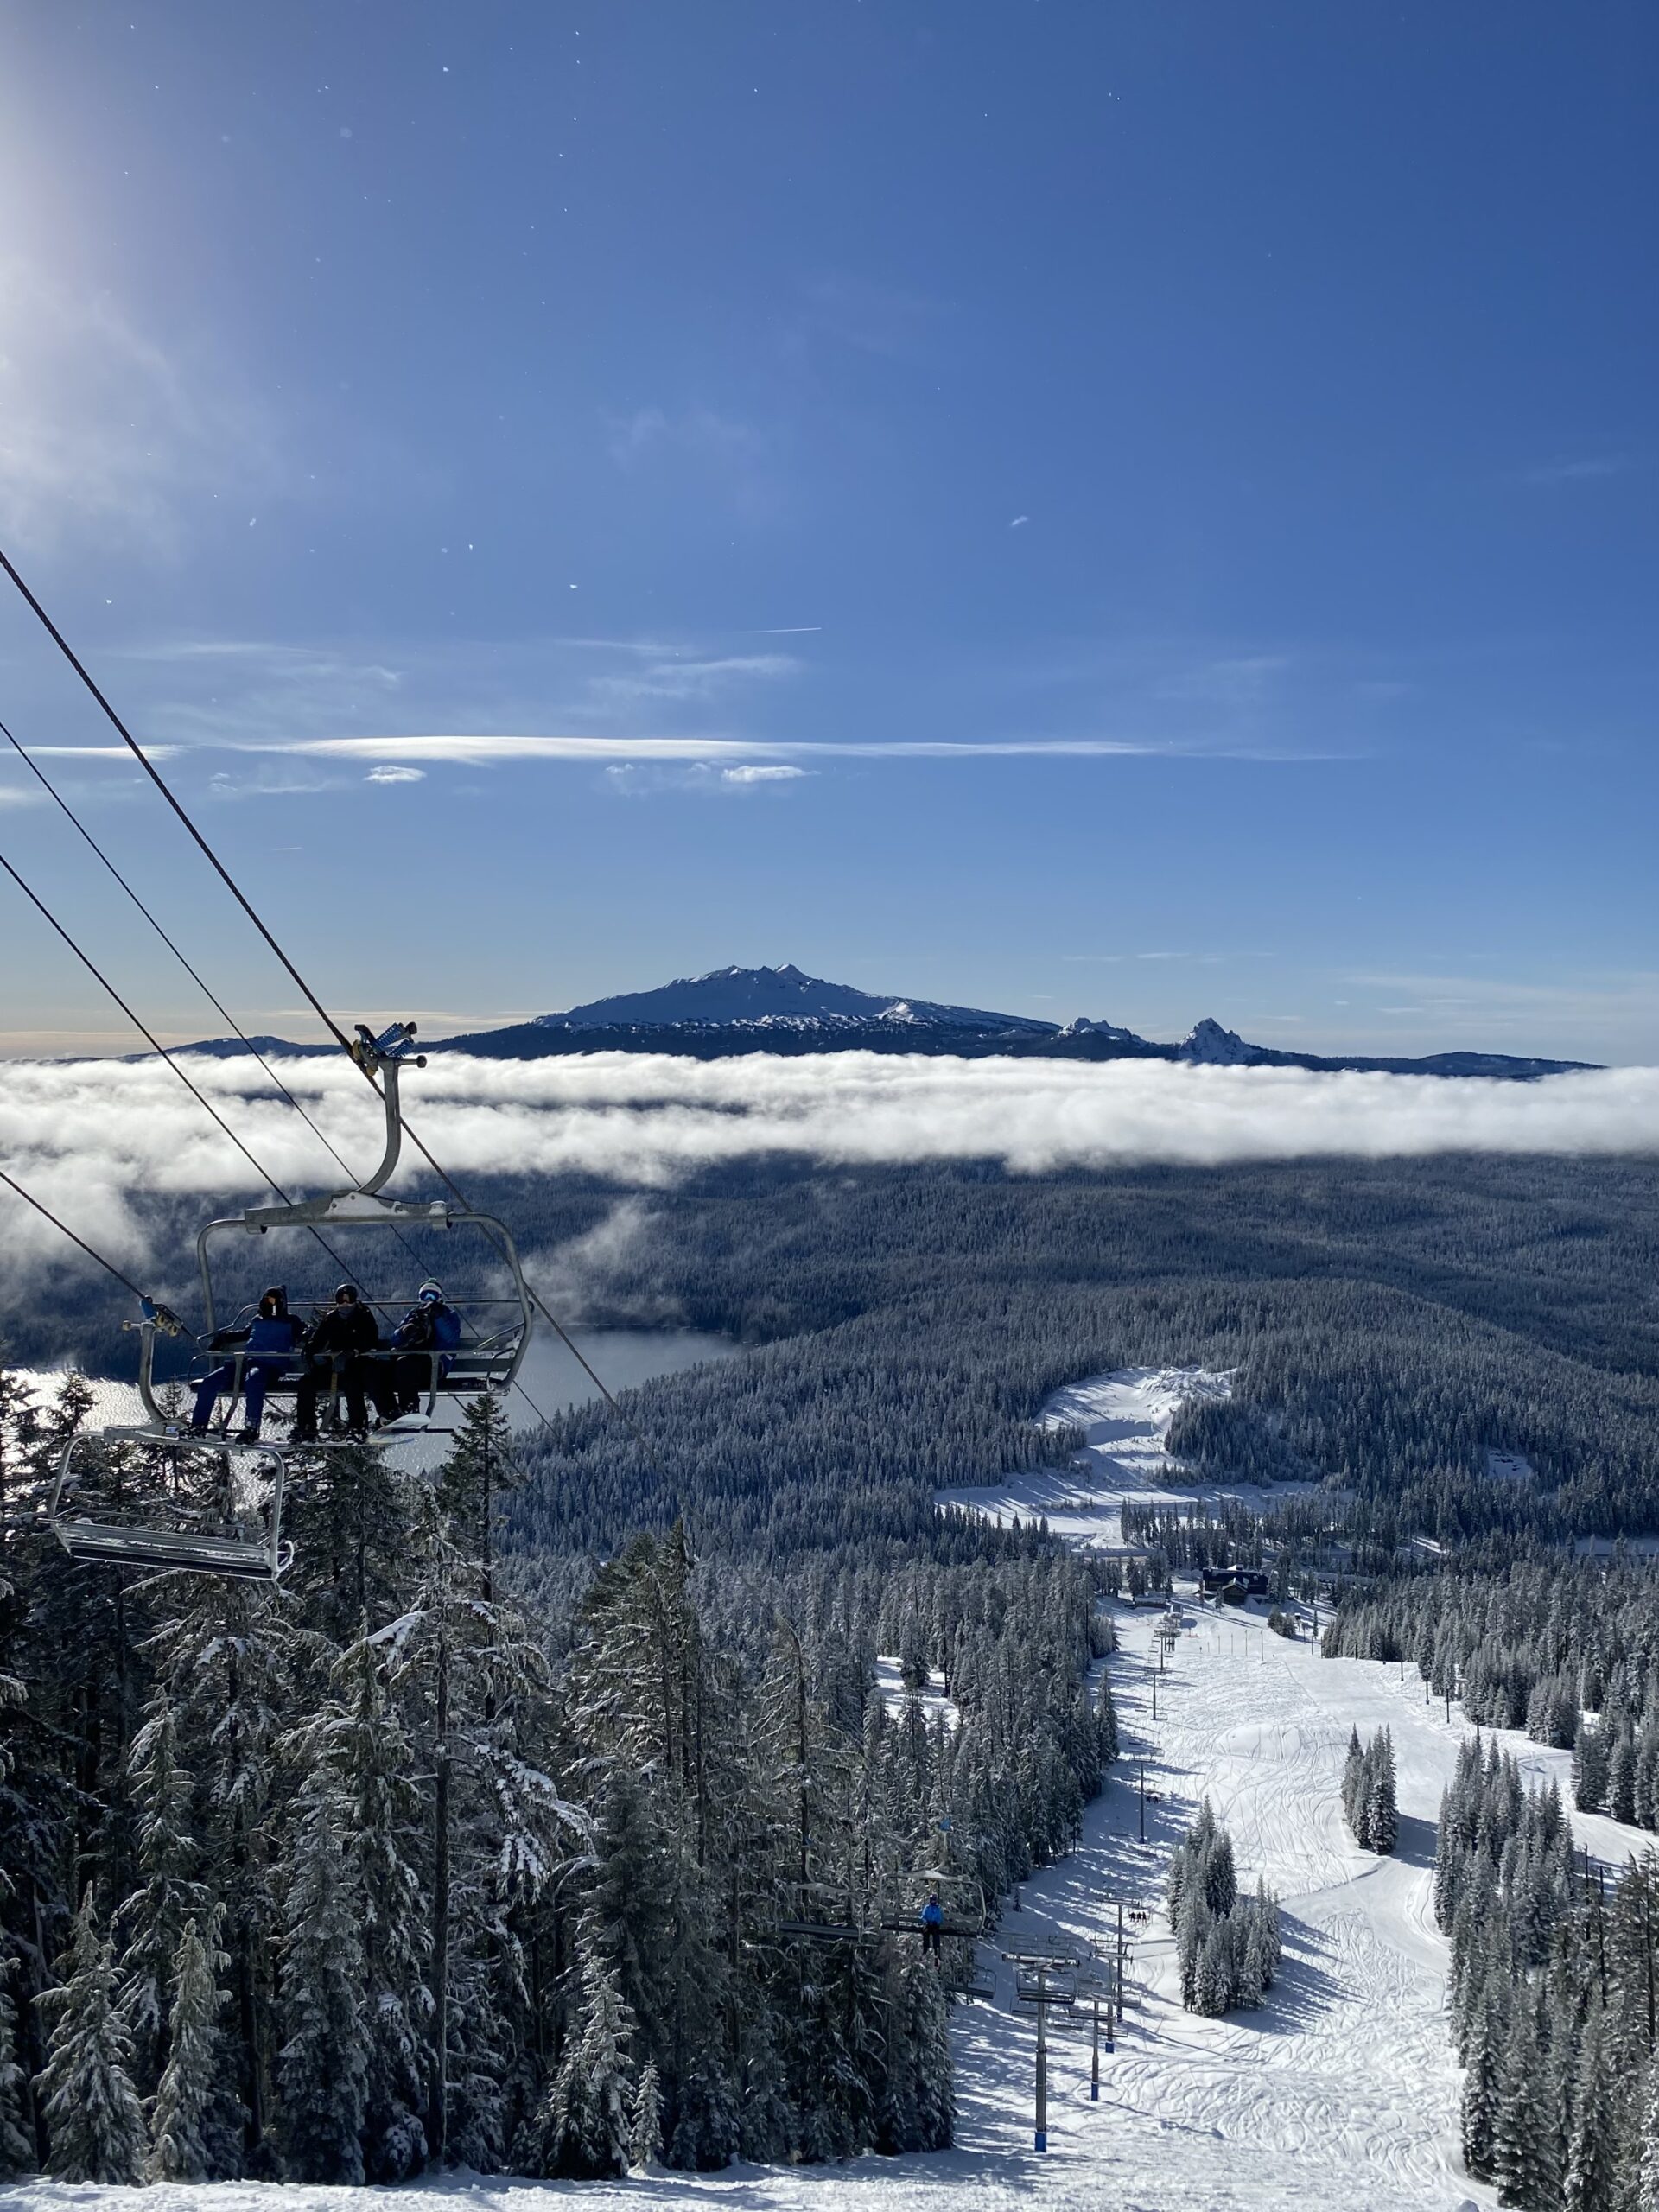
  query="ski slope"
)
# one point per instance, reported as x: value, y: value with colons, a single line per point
x: 1339, y: 2095
x: 1124, y: 1418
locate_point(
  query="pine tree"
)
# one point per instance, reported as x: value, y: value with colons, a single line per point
x: 1215, y: 1977
x: 95, y: 2124
x: 1481, y: 2086
x: 1524, y: 2163
x: 1353, y: 1777
x: 1647, y: 2197
x: 154, y: 1918
x: 17, y: 2149
x: 645, y: 2120
x: 1382, y: 1818
x: 582, y: 2128
x: 1592, y: 2160
x: 323, y: 2062
x: 1106, y: 1714
x: 361, y: 1736
x: 181, y: 2124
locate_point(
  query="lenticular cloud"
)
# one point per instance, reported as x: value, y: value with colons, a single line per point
x: 86, y: 1135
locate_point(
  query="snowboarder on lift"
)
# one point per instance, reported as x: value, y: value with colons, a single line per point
x: 932, y: 1923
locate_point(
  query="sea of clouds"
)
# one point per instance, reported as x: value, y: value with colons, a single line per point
x: 86, y: 1135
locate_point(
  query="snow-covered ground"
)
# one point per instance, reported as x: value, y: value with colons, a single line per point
x: 1125, y: 1419
x: 890, y: 1688
x: 1340, y: 2095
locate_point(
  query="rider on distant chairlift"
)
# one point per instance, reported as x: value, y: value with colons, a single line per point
x: 933, y: 1923
x: 273, y: 1338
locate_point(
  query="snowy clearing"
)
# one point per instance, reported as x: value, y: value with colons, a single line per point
x: 1125, y: 1419
x: 1339, y: 2095
x: 891, y: 1689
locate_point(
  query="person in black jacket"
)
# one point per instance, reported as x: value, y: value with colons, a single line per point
x: 338, y: 1346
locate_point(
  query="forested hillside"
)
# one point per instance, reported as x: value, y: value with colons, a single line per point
x: 1388, y: 1325
x: 411, y: 1859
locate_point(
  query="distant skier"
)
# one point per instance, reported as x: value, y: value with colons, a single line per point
x: 273, y: 1338
x: 430, y: 1327
x: 932, y: 1923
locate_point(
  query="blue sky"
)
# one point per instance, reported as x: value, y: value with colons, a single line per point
x: 1143, y: 511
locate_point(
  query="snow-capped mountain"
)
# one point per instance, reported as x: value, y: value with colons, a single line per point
x: 1210, y: 1045
x: 780, y: 997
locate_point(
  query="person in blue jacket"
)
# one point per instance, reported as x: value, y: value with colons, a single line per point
x: 431, y: 1324
x: 933, y: 1923
x: 273, y: 1338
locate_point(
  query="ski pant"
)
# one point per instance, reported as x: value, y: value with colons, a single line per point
x: 255, y: 1374
x: 929, y: 1939
x: 359, y: 1379
x: 411, y: 1378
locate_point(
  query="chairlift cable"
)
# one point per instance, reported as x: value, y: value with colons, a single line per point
x: 206, y: 988
x: 321, y: 1011
x: 108, y: 1266
x: 149, y: 1037
x: 149, y: 769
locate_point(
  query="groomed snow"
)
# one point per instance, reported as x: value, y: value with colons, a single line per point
x: 1125, y: 1419
x: 1340, y: 2095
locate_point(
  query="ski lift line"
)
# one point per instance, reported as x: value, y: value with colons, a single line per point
x: 312, y: 999
x: 63, y: 1228
x: 148, y: 1035
x: 155, y: 777
x: 207, y: 992
x: 206, y: 988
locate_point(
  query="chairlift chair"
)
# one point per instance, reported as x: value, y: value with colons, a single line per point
x: 962, y: 1896
x: 245, y: 1539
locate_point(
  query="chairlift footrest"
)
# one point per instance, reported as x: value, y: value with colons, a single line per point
x: 167, y: 1550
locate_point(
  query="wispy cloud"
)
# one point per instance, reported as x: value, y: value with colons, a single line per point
x: 482, y: 747
x: 646, y: 779
x: 690, y: 678
x: 1586, y: 468
x: 395, y: 774
x: 98, y: 751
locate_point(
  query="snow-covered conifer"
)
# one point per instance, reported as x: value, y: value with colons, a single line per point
x: 17, y: 2149
x: 323, y: 2062
x: 95, y: 2125
x: 1481, y: 2087
x: 180, y: 2123
x: 645, y: 2120
x: 583, y: 2127
x: 1524, y: 2124
x: 1593, y: 2180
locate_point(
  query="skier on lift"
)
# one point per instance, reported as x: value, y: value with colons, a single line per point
x: 431, y: 1324
x: 338, y: 1346
x: 932, y: 1923
x: 273, y: 1338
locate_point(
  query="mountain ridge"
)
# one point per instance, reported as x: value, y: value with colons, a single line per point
x: 734, y: 1010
